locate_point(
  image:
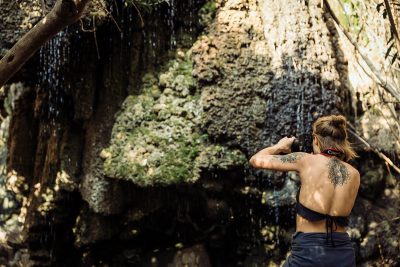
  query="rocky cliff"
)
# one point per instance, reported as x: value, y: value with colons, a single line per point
x: 129, y: 146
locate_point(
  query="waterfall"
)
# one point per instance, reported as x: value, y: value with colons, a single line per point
x: 53, y: 58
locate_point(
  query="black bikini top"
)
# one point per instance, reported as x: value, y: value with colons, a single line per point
x: 312, y: 215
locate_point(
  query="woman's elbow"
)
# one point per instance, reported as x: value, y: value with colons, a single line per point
x: 256, y: 162
x: 263, y: 162
x: 252, y: 161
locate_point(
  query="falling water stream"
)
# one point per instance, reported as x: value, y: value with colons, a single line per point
x: 54, y: 58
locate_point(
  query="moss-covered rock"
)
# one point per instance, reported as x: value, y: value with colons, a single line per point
x: 220, y: 157
x: 157, y: 137
x: 207, y: 13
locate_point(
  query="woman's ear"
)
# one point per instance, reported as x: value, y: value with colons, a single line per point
x: 315, y: 140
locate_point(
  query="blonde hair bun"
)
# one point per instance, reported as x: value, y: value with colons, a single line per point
x: 338, y: 121
x: 331, y: 132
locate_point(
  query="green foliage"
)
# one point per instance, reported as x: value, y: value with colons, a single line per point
x: 207, y: 12
x: 350, y: 17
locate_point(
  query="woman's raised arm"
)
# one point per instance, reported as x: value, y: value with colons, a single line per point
x: 271, y: 158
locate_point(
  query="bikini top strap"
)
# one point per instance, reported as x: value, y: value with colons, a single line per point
x: 329, y: 222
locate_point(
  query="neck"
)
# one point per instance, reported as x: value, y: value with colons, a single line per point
x: 331, y: 152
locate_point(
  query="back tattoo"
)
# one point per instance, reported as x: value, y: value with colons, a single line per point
x: 338, y: 172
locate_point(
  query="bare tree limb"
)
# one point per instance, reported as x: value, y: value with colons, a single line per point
x: 352, y: 130
x: 392, y: 24
x: 64, y: 13
x: 381, y: 79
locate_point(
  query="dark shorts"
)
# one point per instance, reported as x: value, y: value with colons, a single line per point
x: 313, y: 249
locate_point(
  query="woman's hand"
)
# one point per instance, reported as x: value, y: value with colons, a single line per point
x: 285, y: 144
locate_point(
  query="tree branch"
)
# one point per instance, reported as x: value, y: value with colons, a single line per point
x: 64, y: 13
x: 392, y: 24
x: 381, y: 79
x: 352, y: 130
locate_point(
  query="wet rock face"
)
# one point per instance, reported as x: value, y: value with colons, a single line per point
x: 373, y: 178
x: 231, y: 62
x: 374, y: 229
x: 145, y: 115
x: 87, y: 228
x: 13, y: 185
x: 156, y: 138
x: 195, y: 256
x: 125, y: 62
x: 263, y: 78
x: 55, y: 153
x: 16, y: 18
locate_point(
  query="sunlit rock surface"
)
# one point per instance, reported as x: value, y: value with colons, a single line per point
x: 13, y: 186
x: 266, y: 70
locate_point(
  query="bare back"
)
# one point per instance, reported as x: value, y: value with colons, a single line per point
x: 328, y: 186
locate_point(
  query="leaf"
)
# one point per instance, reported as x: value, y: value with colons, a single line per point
x: 384, y: 14
x: 388, y: 51
x: 394, y: 58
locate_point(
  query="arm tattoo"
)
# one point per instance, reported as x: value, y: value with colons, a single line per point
x: 338, y: 172
x: 289, y: 158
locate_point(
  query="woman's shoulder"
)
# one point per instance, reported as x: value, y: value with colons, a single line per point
x: 353, y: 171
x: 351, y: 168
x: 311, y: 157
x: 333, y: 164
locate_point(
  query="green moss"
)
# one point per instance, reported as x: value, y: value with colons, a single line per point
x: 207, y: 13
x: 220, y: 157
x: 209, y: 7
x: 179, y: 77
x: 156, y: 140
x: 178, y: 164
x: 166, y: 162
